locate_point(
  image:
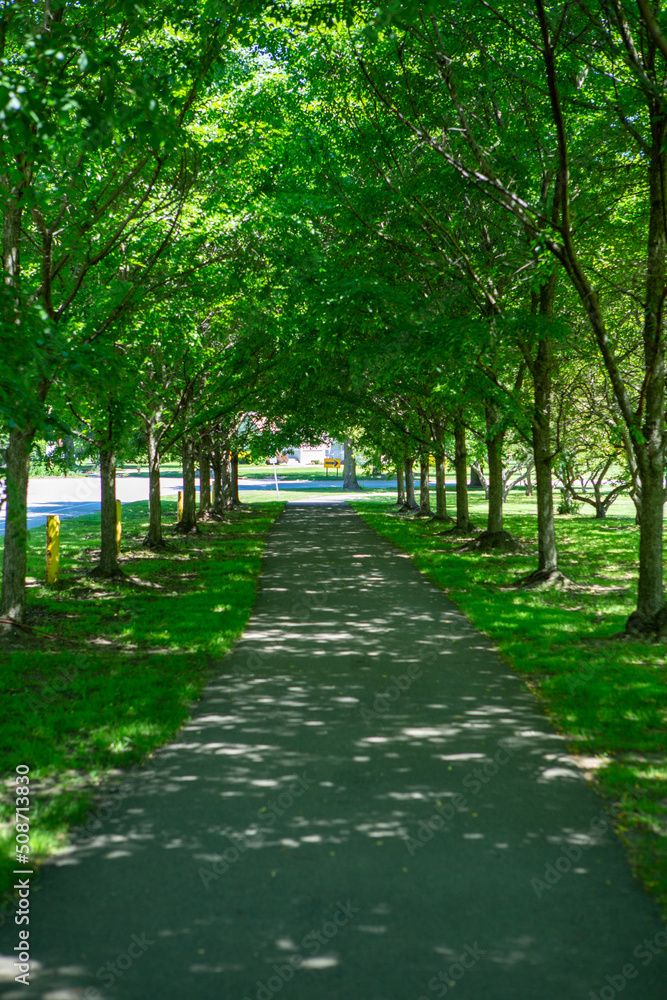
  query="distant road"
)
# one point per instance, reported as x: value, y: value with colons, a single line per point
x: 73, y: 496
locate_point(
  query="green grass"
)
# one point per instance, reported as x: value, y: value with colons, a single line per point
x: 112, y: 669
x: 174, y: 470
x: 607, y: 696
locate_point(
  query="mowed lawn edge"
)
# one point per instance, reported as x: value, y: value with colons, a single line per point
x: 607, y: 696
x: 112, y: 669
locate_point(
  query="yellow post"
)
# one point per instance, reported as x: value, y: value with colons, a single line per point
x: 180, y: 505
x: 52, y: 548
x: 119, y: 527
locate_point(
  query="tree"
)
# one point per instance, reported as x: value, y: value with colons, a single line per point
x: 593, y: 141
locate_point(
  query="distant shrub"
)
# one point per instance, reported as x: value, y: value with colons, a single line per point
x: 567, y: 504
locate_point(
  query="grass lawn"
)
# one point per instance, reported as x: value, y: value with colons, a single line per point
x: 608, y: 697
x: 174, y: 469
x: 112, y: 668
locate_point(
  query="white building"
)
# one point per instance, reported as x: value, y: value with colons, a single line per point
x: 306, y: 454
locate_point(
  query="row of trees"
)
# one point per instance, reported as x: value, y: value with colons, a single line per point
x: 426, y: 230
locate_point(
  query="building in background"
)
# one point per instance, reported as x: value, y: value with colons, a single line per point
x: 307, y: 454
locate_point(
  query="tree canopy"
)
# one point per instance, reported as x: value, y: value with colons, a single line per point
x: 427, y: 229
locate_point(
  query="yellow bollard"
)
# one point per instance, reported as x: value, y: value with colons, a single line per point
x: 52, y: 548
x: 180, y: 505
x: 119, y: 527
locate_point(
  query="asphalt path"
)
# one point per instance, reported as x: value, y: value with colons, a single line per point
x: 73, y: 496
x: 366, y: 805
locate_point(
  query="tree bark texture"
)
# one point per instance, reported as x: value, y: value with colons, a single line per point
x: 424, y: 490
x: 189, y: 518
x: 234, y: 462
x: 108, y: 564
x: 16, y: 534
x: 349, y: 467
x: 494, y: 448
x: 546, y: 528
x: 475, y: 481
x: 461, y: 467
x: 223, y: 470
x: 440, y: 486
x: 410, y: 498
x: 400, y: 483
x: 216, y: 465
x: 154, y: 537
x: 650, y: 448
x: 204, y: 476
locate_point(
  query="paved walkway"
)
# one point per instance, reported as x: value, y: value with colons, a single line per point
x: 365, y: 806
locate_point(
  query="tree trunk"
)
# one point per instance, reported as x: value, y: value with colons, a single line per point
x: 650, y: 448
x: 546, y: 529
x: 349, y: 467
x: 648, y: 441
x: 529, y: 483
x: 475, y: 480
x: 154, y: 537
x: 440, y: 486
x: 12, y: 601
x: 108, y: 564
x: 461, y: 467
x: 424, y: 487
x: 494, y: 449
x: 189, y: 519
x: 400, y: 483
x: 222, y: 463
x: 204, y: 475
x: 234, y: 461
x: 650, y: 590
x: 226, y: 500
x: 216, y: 463
x: 16, y: 531
x: 11, y: 251
x: 410, y: 498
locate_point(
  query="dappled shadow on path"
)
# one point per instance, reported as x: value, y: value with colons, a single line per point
x: 366, y: 804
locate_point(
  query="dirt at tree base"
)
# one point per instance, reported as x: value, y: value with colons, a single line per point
x: 545, y: 579
x: 179, y: 529
x: 155, y: 546
x: 15, y: 635
x: 456, y: 532
x: 489, y: 541
x: 99, y: 574
x: 640, y: 626
x: 437, y: 520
